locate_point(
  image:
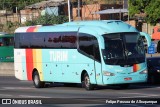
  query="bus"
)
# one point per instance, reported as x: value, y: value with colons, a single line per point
x: 105, y: 52
x: 6, y: 47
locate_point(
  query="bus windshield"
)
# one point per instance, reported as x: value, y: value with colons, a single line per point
x: 123, y: 49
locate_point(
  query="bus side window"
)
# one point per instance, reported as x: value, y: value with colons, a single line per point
x: 37, y: 40
x: 53, y: 40
x: 96, y: 50
x: 17, y: 40
x: 86, y: 44
x: 25, y: 40
x: 69, y: 40
x: 1, y: 44
x: 8, y: 41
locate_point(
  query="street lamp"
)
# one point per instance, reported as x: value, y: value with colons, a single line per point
x: 69, y: 11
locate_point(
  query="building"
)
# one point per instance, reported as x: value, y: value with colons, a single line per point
x: 88, y: 11
x: 51, y: 7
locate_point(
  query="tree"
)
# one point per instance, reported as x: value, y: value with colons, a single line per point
x: 12, y: 4
x: 153, y: 12
x: 137, y: 6
x: 48, y: 20
x: 148, y: 7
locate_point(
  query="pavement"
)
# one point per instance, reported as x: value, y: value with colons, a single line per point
x: 7, y: 68
x: 60, y: 95
x: 153, y: 55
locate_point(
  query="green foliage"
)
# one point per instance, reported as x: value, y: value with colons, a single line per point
x: 12, y: 4
x: 9, y: 24
x: 48, y: 19
x: 153, y: 12
x: 9, y: 27
x: 29, y: 23
x: 149, y: 7
x: 138, y: 6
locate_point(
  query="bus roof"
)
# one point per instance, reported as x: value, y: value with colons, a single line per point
x: 6, y: 35
x: 2, y: 33
x: 108, y: 26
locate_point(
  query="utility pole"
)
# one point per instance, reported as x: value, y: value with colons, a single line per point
x: 128, y: 11
x: 79, y: 17
x: 69, y: 11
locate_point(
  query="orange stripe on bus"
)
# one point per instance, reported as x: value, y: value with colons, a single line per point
x: 29, y: 63
x: 136, y: 67
x: 31, y: 29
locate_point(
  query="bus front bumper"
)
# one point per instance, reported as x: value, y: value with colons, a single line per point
x: 125, y: 79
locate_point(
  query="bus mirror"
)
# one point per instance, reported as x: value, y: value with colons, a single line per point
x: 147, y: 36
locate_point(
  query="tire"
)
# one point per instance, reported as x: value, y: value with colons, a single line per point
x: 36, y: 81
x: 124, y: 86
x: 86, y: 82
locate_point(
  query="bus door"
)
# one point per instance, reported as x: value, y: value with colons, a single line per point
x: 97, y: 62
x: 89, y: 46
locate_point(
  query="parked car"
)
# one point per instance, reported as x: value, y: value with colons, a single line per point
x: 153, y: 64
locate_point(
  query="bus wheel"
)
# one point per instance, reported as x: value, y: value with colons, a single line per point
x: 86, y: 82
x: 36, y: 81
x: 124, y: 86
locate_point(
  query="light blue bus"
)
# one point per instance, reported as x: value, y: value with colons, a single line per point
x: 106, y: 52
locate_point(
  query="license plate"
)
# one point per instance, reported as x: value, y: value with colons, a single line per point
x: 127, y: 79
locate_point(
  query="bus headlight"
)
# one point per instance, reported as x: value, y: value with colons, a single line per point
x: 144, y: 72
x: 106, y: 73
x: 158, y: 71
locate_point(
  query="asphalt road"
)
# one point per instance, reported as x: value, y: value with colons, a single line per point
x: 59, y: 95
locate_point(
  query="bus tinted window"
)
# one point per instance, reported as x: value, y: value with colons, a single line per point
x: 69, y: 40
x: 1, y: 42
x: 46, y: 40
x: 25, y: 40
x: 17, y: 42
x: 86, y: 44
x: 53, y: 40
x: 37, y: 40
x: 96, y: 50
x: 6, y: 41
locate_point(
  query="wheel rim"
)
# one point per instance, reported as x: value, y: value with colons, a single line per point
x: 86, y: 81
x: 36, y: 80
